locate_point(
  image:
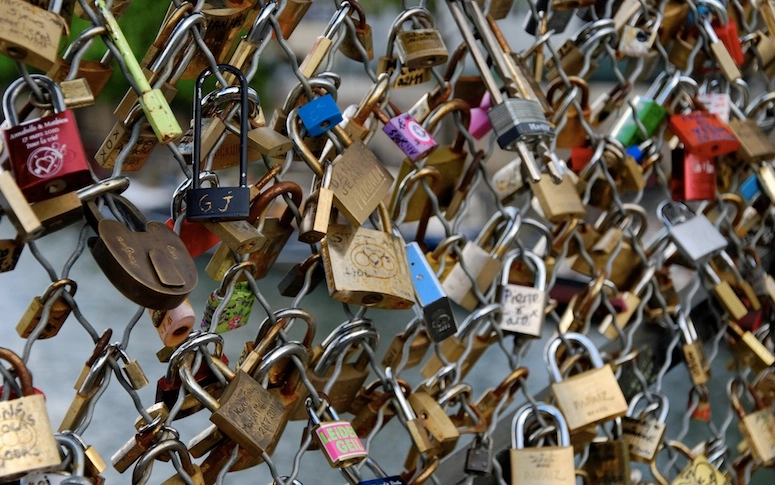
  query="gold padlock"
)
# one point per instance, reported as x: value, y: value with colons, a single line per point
x: 573, y: 133
x: 58, y: 313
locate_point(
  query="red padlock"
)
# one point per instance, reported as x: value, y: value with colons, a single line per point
x: 46, y: 154
x: 704, y: 134
x: 728, y: 35
x: 693, y: 178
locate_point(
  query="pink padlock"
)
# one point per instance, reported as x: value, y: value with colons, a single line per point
x: 407, y: 134
x: 173, y: 325
x: 338, y: 439
x: 480, y: 122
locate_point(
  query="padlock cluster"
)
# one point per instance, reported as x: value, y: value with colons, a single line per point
x: 563, y: 260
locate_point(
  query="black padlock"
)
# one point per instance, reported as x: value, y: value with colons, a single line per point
x: 216, y: 204
x: 479, y: 457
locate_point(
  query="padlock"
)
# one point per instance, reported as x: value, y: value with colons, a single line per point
x: 63, y: 210
x: 703, y: 134
x: 168, y: 446
x: 588, y: 398
x: 295, y: 280
x: 631, y: 301
x: 523, y: 306
x: 693, y: 351
x: 693, y: 176
x: 573, y: 133
x: 360, y: 36
x: 58, y: 313
x: 259, y: 32
x: 235, y: 312
x: 558, y: 202
x: 369, y: 403
x: 720, y: 50
x: 35, y: 36
x: 367, y: 267
x: 481, y: 264
x: 158, y: 272
x: 219, y: 203
x: 341, y: 445
x: 699, y: 469
x: 320, y: 115
x: 757, y: 427
x: 436, y: 309
x: 173, y: 326
x: 609, y: 459
x: 431, y: 414
x: 131, y: 368
x: 491, y: 399
x: 409, y: 346
x: 243, y: 392
x: 27, y: 430
x: 419, y: 433
x: 46, y: 154
x: 419, y: 48
x: 541, y: 464
x: 643, y: 432
x: 15, y: 206
x: 649, y: 110
x: 476, y: 328
x: 695, y: 236
x: 637, y: 37
x: 95, y: 73
x: 76, y: 472
x: 749, y: 351
x: 359, y: 181
x: 319, y: 52
x: 195, y: 236
x: 291, y: 15
x: 118, y: 138
x: 411, y: 76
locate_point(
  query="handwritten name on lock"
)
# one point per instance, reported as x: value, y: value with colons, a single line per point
x: 367, y: 254
x: 17, y: 433
x: 22, y: 24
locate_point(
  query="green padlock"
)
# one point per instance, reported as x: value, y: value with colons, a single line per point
x: 649, y: 110
x: 236, y: 311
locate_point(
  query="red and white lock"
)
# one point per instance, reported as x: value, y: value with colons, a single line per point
x: 46, y: 154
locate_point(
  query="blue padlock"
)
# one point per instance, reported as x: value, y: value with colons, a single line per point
x: 216, y: 204
x: 750, y: 188
x: 394, y: 480
x: 320, y: 115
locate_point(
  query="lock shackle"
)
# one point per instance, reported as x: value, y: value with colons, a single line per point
x: 112, y: 185
x: 357, y: 9
x: 672, y: 212
x: 332, y: 352
x: 489, y: 228
x: 375, y: 97
x: 231, y: 276
x: 61, y: 283
x: 197, y: 150
x: 171, y: 23
x: 261, y: 203
x: 450, y: 395
x: 286, y: 315
x: 213, y: 102
x: 194, y: 388
x: 736, y: 387
x: 455, y: 105
x: 56, y: 98
x: 175, y: 40
x: 143, y: 468
x: 82, y: 41
x: 23, y: 374
x: 411, y: 179
x: 509, y: 235
x: 543, y: 231
x: 445, y: 244
x: 76, y: 455
x: 538, y: 268
x: 279, y: 354
x: 662, y: 405
x: 399, y: 397
x: 727, y: 198
x: 179, y: 195
x: 714, y: 8
x: 335, y: 23
x: 476, y: 320
x: 421, y: 14
x: 262, y: 26
x: 512, y: 383
x: 294, y: 132
x: 345, y: 328
x: 520, y: 418
x: 550, y: 352
x: 194, y: 340
x: 687, y: 327
x: 575, y: 81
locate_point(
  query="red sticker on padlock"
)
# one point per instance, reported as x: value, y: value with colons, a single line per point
x: 196, y: 237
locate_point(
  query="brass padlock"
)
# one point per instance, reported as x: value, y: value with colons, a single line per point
x: 643, y: 433
x: 22, y: 418
x: 59, y: 310
x: 540, y: 464
x: 418, y: 48
x: 758, y: 427
x: 558, y: 202
x: 33, y: 36
x: 367, y: 267
x: 589, y: 398
x: 573, y: 133
x: 350, y: 45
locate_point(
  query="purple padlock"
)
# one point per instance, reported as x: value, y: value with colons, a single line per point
x: 408, y: 134
x: 480, y: 122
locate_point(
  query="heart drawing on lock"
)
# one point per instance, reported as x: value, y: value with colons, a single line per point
x: 45, y: 162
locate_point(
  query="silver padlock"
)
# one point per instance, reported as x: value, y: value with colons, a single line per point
x: 523, y: 306
x: 694, y: 235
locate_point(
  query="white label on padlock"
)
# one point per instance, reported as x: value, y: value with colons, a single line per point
x: 717, y: 103
x: 508, y: 179
x: 523, y: 310
x: 635, y: 42
x: 43, y: 479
